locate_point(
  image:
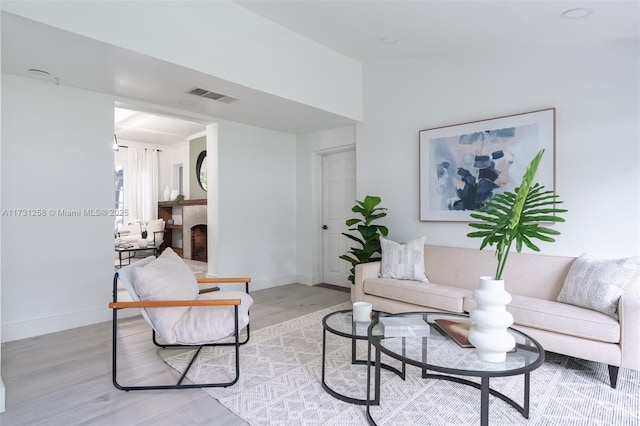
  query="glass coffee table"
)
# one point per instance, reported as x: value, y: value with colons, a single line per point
x: 341, y: 324
x: 443, y: 351
x: 132, y: 250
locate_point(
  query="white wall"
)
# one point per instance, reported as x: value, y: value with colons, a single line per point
x: 310, y: 148
x: 56, y: 154
x: 221, y: 40
x: 595, y: 90
x: 257, y: 204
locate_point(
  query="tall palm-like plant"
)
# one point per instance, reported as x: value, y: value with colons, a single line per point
x: 369, y: 232
x: 510, y: 217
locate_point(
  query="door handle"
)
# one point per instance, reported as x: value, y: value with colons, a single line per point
x: 325, y: 227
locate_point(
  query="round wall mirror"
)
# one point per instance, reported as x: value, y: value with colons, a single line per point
x: 201, y: 170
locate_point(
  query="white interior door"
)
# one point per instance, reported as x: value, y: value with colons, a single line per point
x: 338, y: 197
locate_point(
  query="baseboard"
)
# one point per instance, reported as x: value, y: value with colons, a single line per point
x: 39, y: 326
x: 1, y: 396
x: 261, y: 284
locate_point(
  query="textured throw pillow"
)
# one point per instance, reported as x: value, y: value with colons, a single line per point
x: 166, y: 278
x: 403, y: 261
x: 598, y: 283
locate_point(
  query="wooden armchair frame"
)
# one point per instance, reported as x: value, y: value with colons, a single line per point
x: 116, y: 306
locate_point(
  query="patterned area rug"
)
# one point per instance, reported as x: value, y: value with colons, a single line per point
x: 281, y: 373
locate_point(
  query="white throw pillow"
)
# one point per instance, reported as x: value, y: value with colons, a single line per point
x: 598, y: 283
x: 166, y: 278
x: 403, y: 261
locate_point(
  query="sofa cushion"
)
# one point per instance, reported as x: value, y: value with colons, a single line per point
x: 429, y: 295
x: 598, y: 283
x: 403, y: 261
x: 559, y: 318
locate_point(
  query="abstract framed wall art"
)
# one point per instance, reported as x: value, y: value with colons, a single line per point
x: 464, y: 164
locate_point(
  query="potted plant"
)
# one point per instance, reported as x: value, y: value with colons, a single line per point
x: 504, y: 219
x: 177, y: 200
x: 369, y: 239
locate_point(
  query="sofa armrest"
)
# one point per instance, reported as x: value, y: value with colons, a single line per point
x: 364, y: 271
x: 629, y: 316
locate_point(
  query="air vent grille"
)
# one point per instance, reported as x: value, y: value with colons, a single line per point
x: 204, y: 93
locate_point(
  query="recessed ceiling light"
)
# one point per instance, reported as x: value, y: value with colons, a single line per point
x: 39, y: 73
x: 577, y: 13
x: 187, y: 103
x: 389, y: 40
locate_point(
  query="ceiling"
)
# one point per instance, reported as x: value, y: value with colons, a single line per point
x: 373, y: 30
x: 367, y: 31
x: 138, y: 126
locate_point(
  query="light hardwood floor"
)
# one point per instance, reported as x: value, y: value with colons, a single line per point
x: 65, y: 378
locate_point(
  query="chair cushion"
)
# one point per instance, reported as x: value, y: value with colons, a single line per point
x: 403, y: 261
x: 165, y: 278
x: 598, y: 283
x: 153, y: 226
x: 202, y: 325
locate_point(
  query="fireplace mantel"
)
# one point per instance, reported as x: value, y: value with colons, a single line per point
x: 198, y: 202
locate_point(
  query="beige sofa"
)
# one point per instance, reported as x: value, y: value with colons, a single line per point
x: 534, y: 282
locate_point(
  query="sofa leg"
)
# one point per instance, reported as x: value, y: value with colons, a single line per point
x: 613, y: 375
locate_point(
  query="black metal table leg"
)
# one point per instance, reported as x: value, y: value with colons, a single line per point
x: 527, y: 388
x: 484, y: 402
x: 324, y: 342
x: 377, y: 383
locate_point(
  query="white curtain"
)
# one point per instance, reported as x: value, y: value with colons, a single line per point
x: 141, y: 183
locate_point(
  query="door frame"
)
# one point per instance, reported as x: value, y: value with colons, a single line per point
x: 316, y: 187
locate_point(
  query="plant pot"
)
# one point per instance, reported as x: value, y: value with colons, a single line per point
x: 142, y: 243
x: 490, y: 320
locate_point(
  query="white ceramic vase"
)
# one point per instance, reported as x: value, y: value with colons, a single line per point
x: 167, y: 193
x: 173, y: 195
x: 490, y: 320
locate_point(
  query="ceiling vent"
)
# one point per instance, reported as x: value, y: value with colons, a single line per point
x: 204, y: 93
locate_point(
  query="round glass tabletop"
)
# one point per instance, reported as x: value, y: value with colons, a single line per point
x: 437, y: 341
x: 342, y: 324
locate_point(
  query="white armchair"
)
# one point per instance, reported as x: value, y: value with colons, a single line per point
x: 132, y: 233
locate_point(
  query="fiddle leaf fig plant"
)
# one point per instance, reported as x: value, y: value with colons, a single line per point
x: 369, y: 239
x: 516, y: 216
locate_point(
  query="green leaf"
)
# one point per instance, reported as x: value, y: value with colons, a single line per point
x: 354, y: 238
x: 513, y: 216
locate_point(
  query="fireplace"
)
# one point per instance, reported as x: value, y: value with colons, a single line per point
x: 199, y: 243
x: 194, y: 230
